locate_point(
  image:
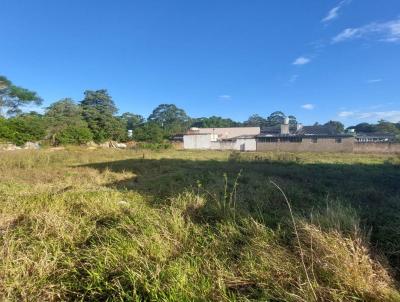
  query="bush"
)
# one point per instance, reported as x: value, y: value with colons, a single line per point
x: 154, y: 146
x: 74, y: 135
x: 23, y: 128
x: 149, y: 132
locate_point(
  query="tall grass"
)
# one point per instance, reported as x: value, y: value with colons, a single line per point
x: 71, y: 231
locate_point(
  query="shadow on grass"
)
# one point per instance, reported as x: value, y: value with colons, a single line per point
x: 373, y: 190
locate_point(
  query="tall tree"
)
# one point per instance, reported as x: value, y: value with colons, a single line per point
x: 171, y: 118
x: 99, y: 100
x: 255, y: 120
x: 275, y: 118
x: 132, y: 120
x: 12, y: 97
x: 337, y: 126
x: 213, y: 122
x: 98, y: 111
x: 387, y: 127
x: 65, y: 123
x: 363, y: 127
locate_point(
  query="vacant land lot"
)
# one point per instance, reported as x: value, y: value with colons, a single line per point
x: 115, y: 225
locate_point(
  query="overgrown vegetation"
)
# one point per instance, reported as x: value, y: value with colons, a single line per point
x: 83, y: 224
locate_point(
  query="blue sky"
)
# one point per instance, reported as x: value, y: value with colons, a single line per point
x: 318, y: 60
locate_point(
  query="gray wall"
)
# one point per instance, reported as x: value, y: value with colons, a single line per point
x: 197, y: 141
x: 307, y: 145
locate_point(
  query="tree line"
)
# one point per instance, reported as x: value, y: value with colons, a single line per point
x: 95, y: 118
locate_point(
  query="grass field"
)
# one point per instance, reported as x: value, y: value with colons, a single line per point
x: 113, y: 225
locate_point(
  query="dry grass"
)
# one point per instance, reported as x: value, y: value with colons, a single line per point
x: 72, y: 228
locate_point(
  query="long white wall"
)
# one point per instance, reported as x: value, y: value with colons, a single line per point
x: 203, y: 141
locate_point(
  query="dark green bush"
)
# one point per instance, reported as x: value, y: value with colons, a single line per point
x: 74, y: 135
x: 23, y: 128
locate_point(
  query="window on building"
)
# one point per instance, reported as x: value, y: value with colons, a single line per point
x: 314, y: 140
x: 268, y: 139
x: 338, y: 140
x: 291, y: 139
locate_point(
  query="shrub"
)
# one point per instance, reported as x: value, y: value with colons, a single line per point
x: 22, y: 129
x: 74, y: 135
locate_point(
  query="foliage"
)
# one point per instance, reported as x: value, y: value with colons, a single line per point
x: 132, y: 120
x: 65, y: 123
x: 22, y: 128
x: 12, y: 97
x: 98, y: 111
x: 275, y: 118
x: 149, y: 132
x: 170, y: 118
x: 387, y: 127
x: 74, y: 134
x: 213, y: 122
x: 255, y: 120
x: 338, y: 126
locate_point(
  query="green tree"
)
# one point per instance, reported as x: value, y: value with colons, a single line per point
x: 74, y: 134
x: 98, y: 111
x: 26, y: 127
x: 6, y: 134
x: 170, y: 118
x: 149, y: 132
x: 292, y: 120
x: 337, y: 126
x: 12, y: 97
x: 275, y: 118
x: 363, y: 127
x: 132, y: 120
x: 255, y: 120
x: 387, y: 127
x: 65, y: 123
x: 213, y: 122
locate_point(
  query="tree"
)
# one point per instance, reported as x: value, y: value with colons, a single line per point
x: 275, y: 118
x: 337, y: 126
x: 65, y: 124
x: 363, y: 127
x: 26, y: 127
x: 213, y: 122
x: 12, y: 97
x: 170, y: 118
x: 256, y: 121
x: 387, y: 127
x: 98, y: 111
x: 132, y: 120
x: 149, y: 132
x: 99, y: 100
x: 292, y: 120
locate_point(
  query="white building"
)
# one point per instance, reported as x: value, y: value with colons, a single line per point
x: 238, y: 138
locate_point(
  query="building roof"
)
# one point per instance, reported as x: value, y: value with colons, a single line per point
x: 318, y: 130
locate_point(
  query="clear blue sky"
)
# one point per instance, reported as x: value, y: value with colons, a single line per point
x: 318, y: 60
